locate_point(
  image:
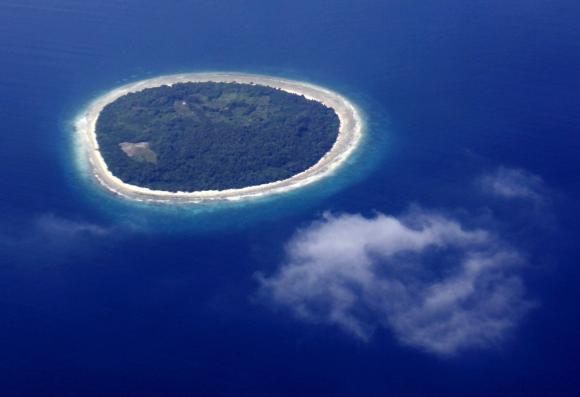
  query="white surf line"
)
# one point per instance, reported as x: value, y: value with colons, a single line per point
x: 349, y: 136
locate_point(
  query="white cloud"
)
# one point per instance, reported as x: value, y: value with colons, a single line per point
x: 52, y: 225
x: 51, y: 239
x: 513, y: 184
x: 431, y: 282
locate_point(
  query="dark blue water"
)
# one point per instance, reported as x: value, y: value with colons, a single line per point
x: 102, y: 297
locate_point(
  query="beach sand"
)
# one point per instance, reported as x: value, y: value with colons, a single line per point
x: 349, y: 136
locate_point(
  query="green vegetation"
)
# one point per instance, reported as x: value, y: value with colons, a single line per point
x: 213, y: 136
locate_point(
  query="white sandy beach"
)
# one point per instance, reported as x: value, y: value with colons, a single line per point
x: 349, y: 136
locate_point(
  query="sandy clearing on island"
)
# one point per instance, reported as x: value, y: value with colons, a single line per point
x: 349, y: 135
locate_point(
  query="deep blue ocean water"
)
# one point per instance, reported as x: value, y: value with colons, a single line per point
x: 99, y: 296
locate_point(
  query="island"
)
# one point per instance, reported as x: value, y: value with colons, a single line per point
x: 215, y: 136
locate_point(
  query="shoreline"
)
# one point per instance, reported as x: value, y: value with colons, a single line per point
x: 348, y: 138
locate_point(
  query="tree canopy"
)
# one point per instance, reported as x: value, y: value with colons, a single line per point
x: 213, y: 136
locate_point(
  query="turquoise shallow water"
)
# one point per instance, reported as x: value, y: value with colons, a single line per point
x: 101, y: 296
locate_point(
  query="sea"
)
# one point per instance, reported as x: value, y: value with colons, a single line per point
x: 102, y: 296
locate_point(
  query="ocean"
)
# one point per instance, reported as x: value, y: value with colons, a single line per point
x: 103, y: 296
